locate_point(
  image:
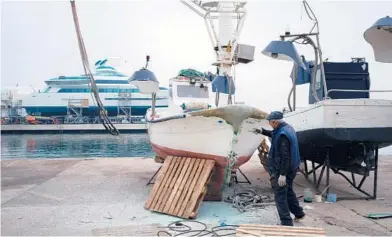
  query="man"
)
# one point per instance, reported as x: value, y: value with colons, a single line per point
x: 283, y: 163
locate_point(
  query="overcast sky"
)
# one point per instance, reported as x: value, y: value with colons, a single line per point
x: 38, y: 41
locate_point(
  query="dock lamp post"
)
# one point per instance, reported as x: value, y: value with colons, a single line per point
x: 285, y: 50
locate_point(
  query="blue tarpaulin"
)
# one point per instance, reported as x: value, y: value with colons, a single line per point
x: 221, y: 84
x: 303, y: 76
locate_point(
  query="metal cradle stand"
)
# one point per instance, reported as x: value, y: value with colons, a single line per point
x: 234, y: 177
x: 326, y: 166
x: 156, y: 172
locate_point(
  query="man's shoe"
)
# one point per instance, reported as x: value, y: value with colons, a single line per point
x: 287, y: 224
x: 298, y: 218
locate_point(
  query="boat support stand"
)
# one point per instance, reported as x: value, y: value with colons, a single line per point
x: 156, y: 172
x: 234, y: 178
x: 326, y: 166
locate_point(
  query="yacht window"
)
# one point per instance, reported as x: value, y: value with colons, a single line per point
x: 47, y: 89
x: 170, y: 92
x: 192, y: 91
x: 101, y: 90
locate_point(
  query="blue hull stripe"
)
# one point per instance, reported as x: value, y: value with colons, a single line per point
x: 130, y: 99
x: 90, y: 111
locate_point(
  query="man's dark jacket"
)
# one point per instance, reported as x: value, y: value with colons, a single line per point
x: 284, y: 152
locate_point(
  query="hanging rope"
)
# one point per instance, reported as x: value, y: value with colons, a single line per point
x: 102, y: 114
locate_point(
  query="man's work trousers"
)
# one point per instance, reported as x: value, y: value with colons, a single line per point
x: 286, y: 200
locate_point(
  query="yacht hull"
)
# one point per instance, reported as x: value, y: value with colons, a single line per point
x: 113, y: 110
x: 57, y: 104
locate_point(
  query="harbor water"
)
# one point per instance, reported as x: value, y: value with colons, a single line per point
x: 30, y: 146
x: 74, y: 146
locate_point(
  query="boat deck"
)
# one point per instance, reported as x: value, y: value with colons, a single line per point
x: 107, y: 196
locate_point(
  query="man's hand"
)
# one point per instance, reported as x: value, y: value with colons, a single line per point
x: 282, y: 181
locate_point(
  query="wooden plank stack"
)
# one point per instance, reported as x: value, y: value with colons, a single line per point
x: 277, y: 230
x: 180, y: 186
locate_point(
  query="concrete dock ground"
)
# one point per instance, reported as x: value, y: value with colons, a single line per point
x: 106, y: 197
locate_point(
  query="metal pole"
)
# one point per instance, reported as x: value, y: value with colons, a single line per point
x: 210, y: 35
x: 299, y: 36
x: 316, y: 55
x: 328, y: 165
x: 322, y: 66
x: 375, y: 175
x: 294, y: 86
x: 229, y: 102
x: 305, y: 3
x: 343, y: 90
x: 153, y: 104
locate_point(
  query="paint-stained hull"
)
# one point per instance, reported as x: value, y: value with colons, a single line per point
x: 208, y: 138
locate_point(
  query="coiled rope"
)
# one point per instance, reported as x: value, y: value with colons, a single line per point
x: 248, y: 199
x: 200, y: 229
x: 243, y: 201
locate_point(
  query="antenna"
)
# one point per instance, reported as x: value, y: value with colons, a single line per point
x: 147, y: 60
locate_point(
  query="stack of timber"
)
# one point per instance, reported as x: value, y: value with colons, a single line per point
x: 180, y: 187
x: 277, y: 230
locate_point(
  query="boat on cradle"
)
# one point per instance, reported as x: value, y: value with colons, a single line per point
x: 342, y: 128
x: 201, y: 120
x: 71, y: 95
x: 193, y: 126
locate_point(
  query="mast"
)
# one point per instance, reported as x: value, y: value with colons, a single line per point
x: 224, y: 21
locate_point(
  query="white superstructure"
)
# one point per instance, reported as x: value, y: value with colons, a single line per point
x: 116, y: 94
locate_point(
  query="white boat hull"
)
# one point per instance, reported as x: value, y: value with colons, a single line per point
x: 345, y: 116
x: 208, y: 138
x: 205, y: 137
x: 349, y: 128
